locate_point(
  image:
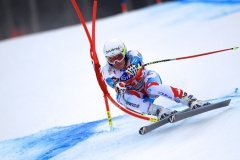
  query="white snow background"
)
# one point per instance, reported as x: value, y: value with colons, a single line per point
x: 51, y: 106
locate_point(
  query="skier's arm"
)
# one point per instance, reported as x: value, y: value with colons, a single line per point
x: 135, y: 57
x: 135, y: 60
x: 119, y: 87
x: 112, y: 80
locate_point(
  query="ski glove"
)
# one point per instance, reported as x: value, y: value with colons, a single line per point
x: 132, y: 69
x: 120, y: 87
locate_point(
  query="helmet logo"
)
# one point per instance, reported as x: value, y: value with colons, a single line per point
x: 113, y: 49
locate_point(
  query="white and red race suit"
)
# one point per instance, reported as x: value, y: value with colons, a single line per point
x: 143, y: 88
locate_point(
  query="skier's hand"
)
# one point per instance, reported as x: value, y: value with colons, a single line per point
x: 120, y: 87
x: 132, y: 70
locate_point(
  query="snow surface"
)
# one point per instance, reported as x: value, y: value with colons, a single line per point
x: 52, y: 108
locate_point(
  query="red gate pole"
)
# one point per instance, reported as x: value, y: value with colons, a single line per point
x: 98, y: 72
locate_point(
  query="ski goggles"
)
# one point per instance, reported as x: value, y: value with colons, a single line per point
x: 116, y: 58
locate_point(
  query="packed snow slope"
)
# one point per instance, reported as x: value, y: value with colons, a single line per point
x: 52, y: 108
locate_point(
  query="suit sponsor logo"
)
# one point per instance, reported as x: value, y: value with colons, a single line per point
x: 125, y: 77
x: 165, y: 95
x: 132, y: 104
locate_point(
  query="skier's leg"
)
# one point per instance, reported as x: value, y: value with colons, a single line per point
x: 135, y: 100
x: 152, y: 80
x: 154, y: 88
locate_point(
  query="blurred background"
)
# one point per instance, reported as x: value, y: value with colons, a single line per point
x: 21, y: 17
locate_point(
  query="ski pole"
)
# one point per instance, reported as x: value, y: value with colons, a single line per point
x: 187, y: 57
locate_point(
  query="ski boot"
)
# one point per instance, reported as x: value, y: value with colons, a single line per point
x: 160, y: 111
x: 192, y: 102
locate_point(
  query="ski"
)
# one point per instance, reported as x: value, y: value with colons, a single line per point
x: 146, y: 129
x: 183, y: 115
x: 180, y: 116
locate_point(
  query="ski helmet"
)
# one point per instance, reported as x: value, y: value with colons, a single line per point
x: 114, y: 47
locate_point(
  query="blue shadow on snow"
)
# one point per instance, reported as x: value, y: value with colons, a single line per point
x: 48, y: 143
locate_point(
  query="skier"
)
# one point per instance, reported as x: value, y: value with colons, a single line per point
x: 138, y: 88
